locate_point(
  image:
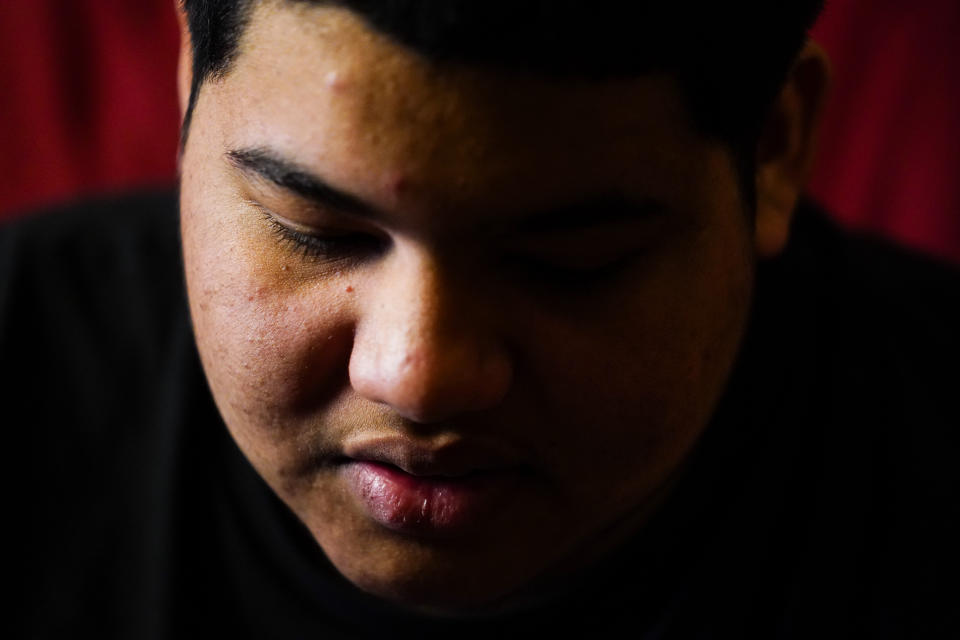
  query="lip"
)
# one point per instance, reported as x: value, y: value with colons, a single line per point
x: 428, y: 491
x: 451, y: 459
x: 424, y: 505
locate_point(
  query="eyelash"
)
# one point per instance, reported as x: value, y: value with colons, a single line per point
x: 315, y: 247
x: 569, y: 279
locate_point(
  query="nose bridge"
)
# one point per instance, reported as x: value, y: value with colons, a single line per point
x: 425, y: 347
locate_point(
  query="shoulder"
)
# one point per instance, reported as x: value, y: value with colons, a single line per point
x: 874, y: 298
x: 91, y: 295
x: 879, y: 407
x: 104, y: 407
x: 878, y: 324
x: 71, y: 258
x: 886, y: 345
x: 89, y: 240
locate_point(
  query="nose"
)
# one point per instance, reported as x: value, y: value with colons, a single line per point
x: 425, y: 347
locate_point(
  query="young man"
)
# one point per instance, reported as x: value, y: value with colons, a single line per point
x: 516, y: 326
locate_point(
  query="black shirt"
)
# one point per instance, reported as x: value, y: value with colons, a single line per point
x: 819, y: 503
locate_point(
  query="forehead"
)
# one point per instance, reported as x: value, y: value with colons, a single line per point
x: 320, y: 87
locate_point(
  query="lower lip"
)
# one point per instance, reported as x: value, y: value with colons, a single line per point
x: 424, y: 504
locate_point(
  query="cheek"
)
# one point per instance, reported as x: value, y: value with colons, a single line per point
x: 273, y: 343
x: 637, y: 381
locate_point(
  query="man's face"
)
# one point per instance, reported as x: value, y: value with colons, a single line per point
x: 466, y: 323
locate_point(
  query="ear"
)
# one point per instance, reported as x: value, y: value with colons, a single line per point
x: 787, y: 147
x: 185, y: 61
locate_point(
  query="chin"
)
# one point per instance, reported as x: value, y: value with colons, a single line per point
x: 441, y: 596
x: 437, y: 582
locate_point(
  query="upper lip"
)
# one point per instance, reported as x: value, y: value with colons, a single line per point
x: 451, y: 459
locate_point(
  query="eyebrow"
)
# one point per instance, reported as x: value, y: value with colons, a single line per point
x: 603, y: 209
x: 289, y: 175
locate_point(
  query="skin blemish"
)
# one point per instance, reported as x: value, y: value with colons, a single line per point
x: 259, y: 293
x: 397, y: 184
x: 284, y: 268
x: 349, y: 289
x: 334, y: 81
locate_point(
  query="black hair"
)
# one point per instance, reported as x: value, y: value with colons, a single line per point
x: 730, y: 58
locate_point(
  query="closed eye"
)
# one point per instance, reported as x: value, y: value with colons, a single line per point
x: 550, y: 274
x: 326, y: 245
x: 593, y: 250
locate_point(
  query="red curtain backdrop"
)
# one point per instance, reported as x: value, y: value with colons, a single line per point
x: 889, y: 156
x: 87, y: 98
x: 88, y: 104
